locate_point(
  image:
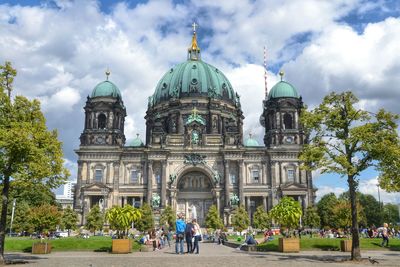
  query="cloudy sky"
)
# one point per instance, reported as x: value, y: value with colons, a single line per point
x: 62, y: 48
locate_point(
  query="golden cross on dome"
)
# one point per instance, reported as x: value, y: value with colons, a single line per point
x: 281, y: 73
x: 194, y: 25
x: 108, y: 73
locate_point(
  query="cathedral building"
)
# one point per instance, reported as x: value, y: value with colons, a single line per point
x: 194, y: 154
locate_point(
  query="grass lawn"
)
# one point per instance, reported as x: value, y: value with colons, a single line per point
x: 317, y: 243
x: 94, y: 243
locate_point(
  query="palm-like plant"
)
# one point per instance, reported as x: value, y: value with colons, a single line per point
x: 121, y: 218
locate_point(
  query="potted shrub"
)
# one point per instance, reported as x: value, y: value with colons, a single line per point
x: 44, y: 219
x: 121, y: 219
x: 287, y: 213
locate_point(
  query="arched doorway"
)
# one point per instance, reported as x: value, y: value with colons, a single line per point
x: 194, y: 196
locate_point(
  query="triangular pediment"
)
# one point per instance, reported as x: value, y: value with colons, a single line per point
x: 95, y: 187
x: 292, y: 186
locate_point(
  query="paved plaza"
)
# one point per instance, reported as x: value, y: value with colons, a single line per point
x: 210, y: 255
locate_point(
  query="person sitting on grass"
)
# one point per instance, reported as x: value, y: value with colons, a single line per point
x: 249, y: 241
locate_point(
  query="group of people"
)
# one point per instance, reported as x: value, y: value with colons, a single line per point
x: 189, y: 232
x: 158, y: 238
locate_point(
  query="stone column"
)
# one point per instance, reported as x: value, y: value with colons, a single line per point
x: 265, y: 203
x: 217, y: 196
x: 226, y: 176
x: 241, y: 182
x: 248, y: 205
x: 264, y: 173
x: 141, y: 201
x: 149, y: 181
x: 163, y: 183
x: 125, y: 200
x: 88, y: 180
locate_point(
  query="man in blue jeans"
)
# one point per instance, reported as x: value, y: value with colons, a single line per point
x: 180, y: 233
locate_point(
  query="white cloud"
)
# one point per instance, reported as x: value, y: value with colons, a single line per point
x: 323, y: 190
x: 61, y: 54
x: 370, y: 187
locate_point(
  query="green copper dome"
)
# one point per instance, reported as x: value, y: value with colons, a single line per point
x: 137, y: 142
x: 283, y: 89
x: 106, y: 88
x: 193, y: 78
x: 251, y: 142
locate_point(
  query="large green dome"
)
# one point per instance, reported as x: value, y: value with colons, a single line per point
x: 193, y: 78
x: 137, y: 142
x: 106, y: 88
x: 283, y: 89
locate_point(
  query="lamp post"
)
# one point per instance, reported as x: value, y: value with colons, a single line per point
x: 12, y: 215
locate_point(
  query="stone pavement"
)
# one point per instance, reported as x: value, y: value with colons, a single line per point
x: 210, y: 255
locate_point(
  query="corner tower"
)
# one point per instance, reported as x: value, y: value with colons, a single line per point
x: 104, y: 116
x: 281, y: 114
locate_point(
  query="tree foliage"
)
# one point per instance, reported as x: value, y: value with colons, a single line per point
x: 261, y: 219
x: 94, y: 219
x: 28, y: 151
x: 240, y: 219
x: 325, y: 210
x: 121, y: 218
x: 168, y: 216
x: 21, y: 221
x: 347, y: 140
x: 390, y: 214
x: 146, y: 223
x: 287, y: 213
x: 311, y: 217
x: 342, y: 214
x: 45, y: 218
x: 213, y: 220
x: 69, y: 219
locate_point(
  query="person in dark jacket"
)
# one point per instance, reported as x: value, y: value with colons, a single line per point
x: 189, y: 235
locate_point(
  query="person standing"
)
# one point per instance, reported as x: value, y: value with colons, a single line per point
x: 385, y: 235
x: 197, y: 235
x: 189, y: 235
x: 180, y: 233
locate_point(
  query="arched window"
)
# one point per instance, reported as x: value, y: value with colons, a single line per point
x: 102, y: 121
x: 98, y: 175
x: 288, y: 121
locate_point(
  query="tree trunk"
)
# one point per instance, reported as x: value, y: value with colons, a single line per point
x: 3, y: 218
x: 355, y: 249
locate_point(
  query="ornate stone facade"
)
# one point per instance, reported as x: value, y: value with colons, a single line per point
x: 194, y: 155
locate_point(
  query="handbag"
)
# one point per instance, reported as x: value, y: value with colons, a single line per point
x: 200, y: 238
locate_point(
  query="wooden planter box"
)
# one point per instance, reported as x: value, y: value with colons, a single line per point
x: 121, y: 246
x: 289, y: 245
x: 41, y: 248
x: 345, y: 245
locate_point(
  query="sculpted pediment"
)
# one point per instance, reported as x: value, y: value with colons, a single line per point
x: 95, y: 187
x: 293, y: 186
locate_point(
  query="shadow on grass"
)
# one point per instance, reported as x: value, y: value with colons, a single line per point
x: 15, y: 258
x: 27, y: 249
x: 391, y: 247
x: 268, y: 247
x: 103, y: 249
x: 326, y: 247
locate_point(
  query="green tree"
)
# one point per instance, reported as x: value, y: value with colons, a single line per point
x: 342, y: 214
x: 213, y: 220
x: 287, y: 213
x: 121, y: 218
x: 168, y: 216
x: 371, y: 208
x: 69, y: 219
x: 240, y: 219
x: 95, y: 219
x: 348, y: 140
x: 261, y: 219
x: 21, y: 221
x: 28, y: 151
x: 311, y: 217
x: 45, y: 218
x: 35, y: 194
x: 146, y: 223
x: 391, y: 214
x: 325, y: 210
